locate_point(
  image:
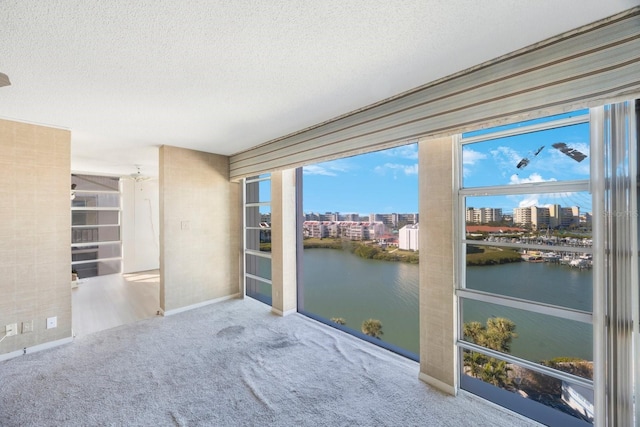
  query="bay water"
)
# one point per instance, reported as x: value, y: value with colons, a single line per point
x: 339, y: 284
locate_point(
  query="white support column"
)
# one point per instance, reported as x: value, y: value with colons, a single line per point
x: 283, y: 242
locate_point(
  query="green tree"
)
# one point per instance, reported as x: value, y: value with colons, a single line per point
x: 339, y: 320
x: 474, y: 332
x: 475, y: 362
x: 366, y: 251
x: 496, y: 372
x: 497, y: 335
x: 372, y: 327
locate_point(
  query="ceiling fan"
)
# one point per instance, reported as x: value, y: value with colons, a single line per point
x: 138, y: 176
x: 4, y: 80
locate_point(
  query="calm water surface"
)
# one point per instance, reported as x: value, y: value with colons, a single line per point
x: 340, y: 284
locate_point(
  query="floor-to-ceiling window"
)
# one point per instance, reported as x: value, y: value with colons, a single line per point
x: 525, y: 288
x: 360, y: 246
x: 257, y: 235
x: 96, y: 246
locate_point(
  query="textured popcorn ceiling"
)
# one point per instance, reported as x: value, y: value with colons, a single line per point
x: 127, y: 76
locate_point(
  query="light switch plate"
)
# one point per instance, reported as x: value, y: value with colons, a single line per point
x: 11, y: 329
x: 52, y: 322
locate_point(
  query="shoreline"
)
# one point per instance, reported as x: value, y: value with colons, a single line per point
x: 363, y: 250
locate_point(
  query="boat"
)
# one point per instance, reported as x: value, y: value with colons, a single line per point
x: 579, y: 263
x: 551, y: 257
x: 532, y: 256
x: 566, y: 259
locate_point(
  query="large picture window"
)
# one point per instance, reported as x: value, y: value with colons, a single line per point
x: 360, y: 239
x: 525, y: 294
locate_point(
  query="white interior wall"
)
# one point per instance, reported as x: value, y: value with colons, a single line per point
x: 139, y: 221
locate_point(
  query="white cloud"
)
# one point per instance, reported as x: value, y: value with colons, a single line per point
x: 395, y: 167
x: 565, y: 199
x: 317, y: 170
x: 506, y: 157
x: 330, y: 168
x: 534, y: 177
x: 529, y: 200
x: 471, y: 157
x: 411, y: 169
x: 406, y: 152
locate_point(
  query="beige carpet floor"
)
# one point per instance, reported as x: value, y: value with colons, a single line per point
x: 228, y: 364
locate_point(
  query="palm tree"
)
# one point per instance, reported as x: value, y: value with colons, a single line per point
x: 500, y: 333
x: 474, y: 332
x: 339, y: 320
x: 475, y: 362
x: 496, y: 372
x: 372, y: 327
x: 497, y: 335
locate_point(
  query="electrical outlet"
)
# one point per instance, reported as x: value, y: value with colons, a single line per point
x: 27, y: 326
x: 52, y: 322
x: 11, y: 329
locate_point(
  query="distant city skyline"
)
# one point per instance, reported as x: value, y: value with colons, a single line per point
x: 387, y: 181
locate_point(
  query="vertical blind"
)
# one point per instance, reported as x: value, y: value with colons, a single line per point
x: 617, y: 261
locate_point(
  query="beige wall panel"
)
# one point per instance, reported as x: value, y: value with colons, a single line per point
x: 437, y: 325
x: 35, y: 233
x: 283, y: 241
x: 200, y: 216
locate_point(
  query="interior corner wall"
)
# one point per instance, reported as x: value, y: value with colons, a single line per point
x: 437, y: 306
x: 200, y: 229
x: 140, y: 225
x: 35, y: 233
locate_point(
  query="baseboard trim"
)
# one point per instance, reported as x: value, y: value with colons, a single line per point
x: 197, y: 305
x: 283, y: 313
x: 444, y: 387
x: 35, y: 348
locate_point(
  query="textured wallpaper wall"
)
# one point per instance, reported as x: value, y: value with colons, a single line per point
x: 35, y: 233
x: 200, y: 233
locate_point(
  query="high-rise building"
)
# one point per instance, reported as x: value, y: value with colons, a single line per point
x: 483, y: 215
x: 408, y: 237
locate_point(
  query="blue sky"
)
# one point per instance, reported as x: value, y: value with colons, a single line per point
x: 379, y: 182
x: 495, y: 162
x: 387, y: 181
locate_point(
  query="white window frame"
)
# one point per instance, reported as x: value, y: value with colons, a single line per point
x: 461, y: 292
x: 245, y: 227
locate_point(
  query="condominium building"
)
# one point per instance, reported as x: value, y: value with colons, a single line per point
x: 329, y: 216
x: 553, y: 216
x: 394, y: 219
x: 483, y: 215
x: 352, y: 230
x: 408, y: 237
